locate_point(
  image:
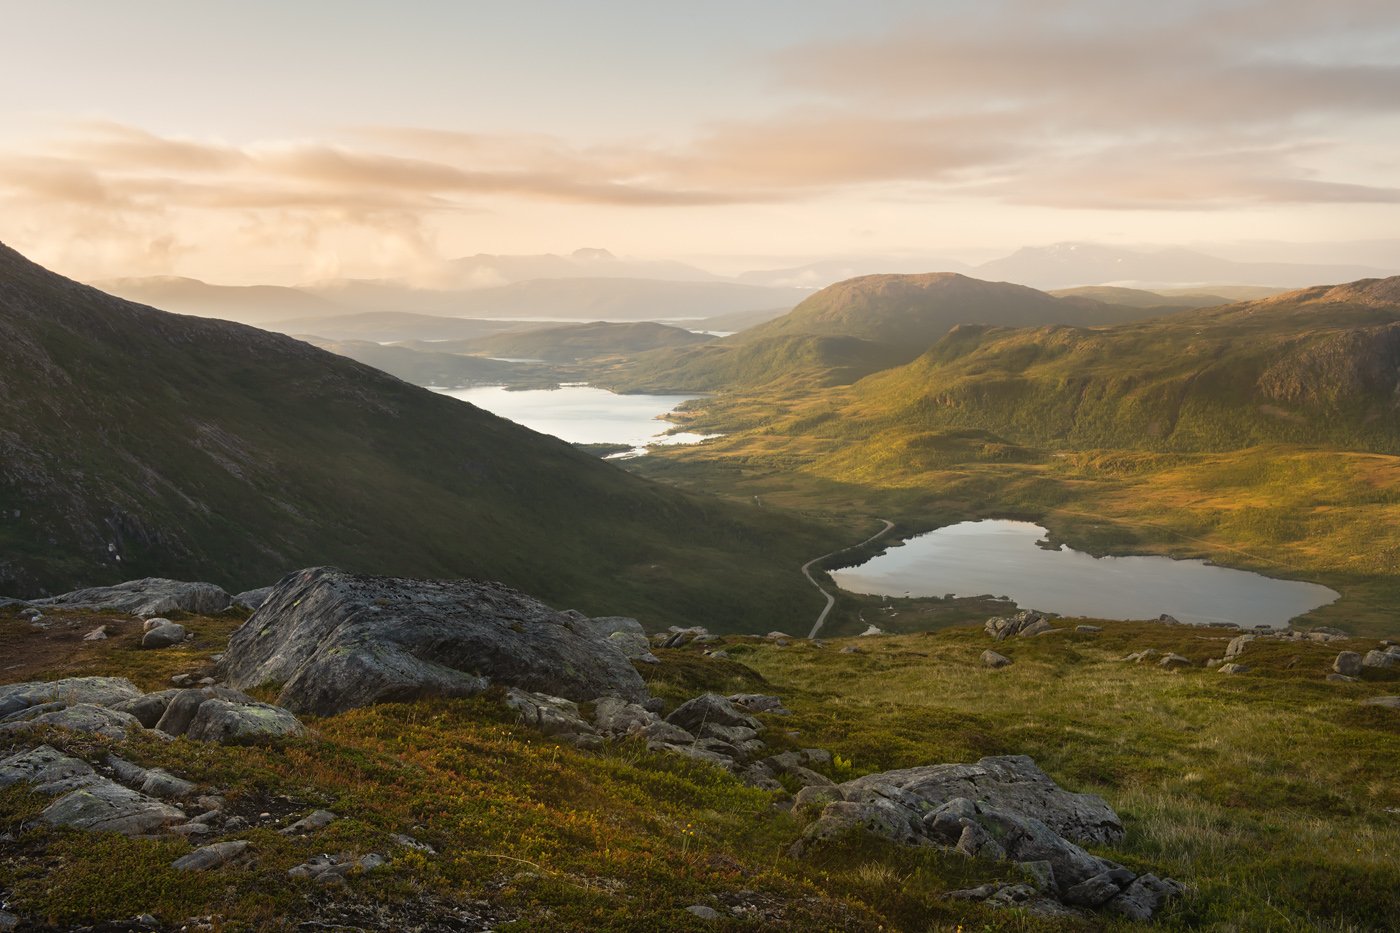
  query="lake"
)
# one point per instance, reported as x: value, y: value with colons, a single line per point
x: 1001, y: 558
x: 583, y: 414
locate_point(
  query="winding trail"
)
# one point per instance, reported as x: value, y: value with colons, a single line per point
x: 831, y: 600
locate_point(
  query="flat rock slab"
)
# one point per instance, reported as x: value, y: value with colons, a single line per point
x: 99, y: 691
x: 82, y: 717
x: 336, y: 641
x: 152, y: 596
x: 210, y: 856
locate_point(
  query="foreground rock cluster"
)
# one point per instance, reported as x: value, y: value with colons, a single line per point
x: 1002, y: 808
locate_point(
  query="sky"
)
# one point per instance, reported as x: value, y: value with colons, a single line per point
x: 276, y: 142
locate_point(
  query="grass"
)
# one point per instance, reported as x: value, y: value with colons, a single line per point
x: 1268, y: 793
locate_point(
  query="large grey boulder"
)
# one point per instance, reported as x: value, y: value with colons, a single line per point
x: 1006, y: 782
x: 335, y: 640
x: 220, y: 714
x: 164, y: 636
x: 1348, y: 664
x: 1380, y: 659
x: 147, y: 708
x: 152, y: 596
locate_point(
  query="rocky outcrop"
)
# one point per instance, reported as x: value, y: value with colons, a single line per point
x: 1025, y: 623
x: 152, y: 596
x: 252, y: 599
x: 80, y: 717
x: 335, y: 640
x: 84, y: 798
x: 99, y: 691
x: 219, y: 714
x: 1002, y: 808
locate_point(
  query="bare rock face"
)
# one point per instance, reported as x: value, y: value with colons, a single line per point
x: 152, y: 596
x: 85, y: 799
x: 336, y: 640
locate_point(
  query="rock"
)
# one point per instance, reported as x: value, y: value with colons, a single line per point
x: 1140, y: 656
x: 161, y: 783
x: 1041, y: 874
x: 1008, y: 782
x: 210, y: 856
x: 164, y: 636
x: 316, y: 819
x: 82, y: 717
x: 49, y: 770
x: 1380, y: 659
x: 1018, y: 624
x: 1348, y: 663
x: 1388, y: 702
x: 99, y: 691
x: 710, y: 708
x: 695, y: 751
x: 1173, y: 660
x: 614, y: 716
x: 634, y: 647
x: 252, y: 599
x: 760, y: 703
x: 1099, y: 889
x: 408, y: 842
x: 551, y: 715
x: 703, y: 912
x: 97, y: 634
x: 1234, y: 668
x: 230, y: 723
x: 104, y: 805
x: 852, y: 649
x: 1237, y: 645
x: 337, y: 640
x: 127, y: 772
x: 1144, y: 897
x: 1038, y: 627
x: 149, y: 597
x: 1168, y: 619
x: 1089, y: 629
x: 812, y: 799
x: 155, y: 623
x: 8, y: 922
x: 148, y: 709
x: 993, y: 660
x: 1342, y: 679
x: 666, y: 733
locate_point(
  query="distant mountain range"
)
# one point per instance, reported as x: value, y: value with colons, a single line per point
x: 135, y: 442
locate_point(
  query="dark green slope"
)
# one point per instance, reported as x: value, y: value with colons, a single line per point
x: 574, y: 342
x: 135, y: 442
x: 1317, y: 366
x: 860, y: 326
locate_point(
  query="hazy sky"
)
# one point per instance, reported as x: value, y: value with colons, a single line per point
x: 288, y: 141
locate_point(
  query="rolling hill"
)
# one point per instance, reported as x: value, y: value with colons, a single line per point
x: 136, y: 442
x: 857, y: 327
x: 574, y: 342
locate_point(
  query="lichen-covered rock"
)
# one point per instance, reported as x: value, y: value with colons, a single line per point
x: 210, y: 856
x: 615, y: 716
x: 164, y: 636
x: 99, y: 691
x: 1380, y: 659
x: 152, y: 596
x: 81, y: 717
x: 336, y: 640
x: 1010, y: 782
x: 86, y: 800
x: 230, y: 723
x: 46, y: 768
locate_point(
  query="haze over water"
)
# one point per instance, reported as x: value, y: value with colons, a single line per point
x: 1001, y: 558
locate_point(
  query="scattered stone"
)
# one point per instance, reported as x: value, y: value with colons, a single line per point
x: 316, y: 819
x: 1144, y: 897
x: 1389, y: 702
x: 1380, y: 659
x: 408, y: 842
x: 1174, y: 660
x: 104, y: 805
x: 852, y: 649
x: 1342, y: 679
x: 760, y: 703
x: 1237, y: 645
x: 550, y: 714
x: 164, y: 636
x: 710, y: 708
x: 703, y: 912
x: 1348, y: 663
x: 1089, y: 629
x: 993, y: 660
x: 1234, y: 668
x: 1139, y: 656
x: 149, y: 597
x: 337, y: 640
x: 97, y: 634
x: 210, y: 856
x: 182, y: 680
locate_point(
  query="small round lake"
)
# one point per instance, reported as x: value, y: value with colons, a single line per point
x: 583, y: 414
x: 1002, y: 558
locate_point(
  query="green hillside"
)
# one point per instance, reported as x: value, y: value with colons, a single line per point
x: 894, y: 318
x: 574, y: 342
x: 135, y: 442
